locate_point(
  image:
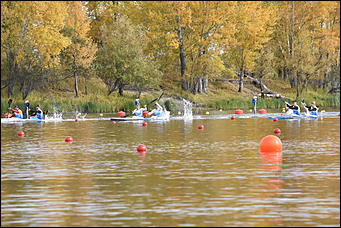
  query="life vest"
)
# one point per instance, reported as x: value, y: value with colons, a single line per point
x: 313, y: 113
x: 40, y: 115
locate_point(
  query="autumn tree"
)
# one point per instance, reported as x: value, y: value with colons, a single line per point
x: 121, y: 60
x: 31, y: 42
x: 78, y: 56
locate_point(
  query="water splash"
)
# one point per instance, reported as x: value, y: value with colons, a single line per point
x: 55, y: 116
x: 188, y: 115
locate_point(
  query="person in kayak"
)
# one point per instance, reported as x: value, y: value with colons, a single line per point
x: 139, y: 111
x: 17, y: 112
x: 312, y: 110
x: 157, y: 111
x: 293, y: 109
x: 38, y: 113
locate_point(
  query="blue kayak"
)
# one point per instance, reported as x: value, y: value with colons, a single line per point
x: 288, y: 117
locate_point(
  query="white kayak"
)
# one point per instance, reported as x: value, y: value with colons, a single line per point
x: 14, y: 119
x: 137, y: 118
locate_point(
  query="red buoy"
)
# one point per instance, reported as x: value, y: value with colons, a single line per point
x: 232, y: 117
x: 141, y: 148
x: 261, y: 111
x: 238, y: 111
x: 21, y: 133
x: 121, y: 114
x: 144, y: 124
x: 77, y: 120
x: 68, y: 139
x: 270, y: 143
x: 275, y: 119
x: 201, y: 127
x: 113, y: 122
x: 277, y: 131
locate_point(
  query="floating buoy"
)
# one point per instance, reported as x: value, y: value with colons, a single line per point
x: 261, y: 111
x: 21, y: 133
x: 207, y: 113
x: 121, y: 114
x: 113, y: 122
x: 144, y: 124
x: 323, y: 111
x: 179, y: 113
x: 232, y: 117
x: 201, y: 127
x: 283, y: 110
x: 101, y: 114
x: 141, y: 148
x: 68, y: 139
x: 77, y: 120
x: 238, y: 111
x: 277, y: 131
x: 220, y: 110
x: 270, y: 143
x: 250, y: 110
x: 275, y: 119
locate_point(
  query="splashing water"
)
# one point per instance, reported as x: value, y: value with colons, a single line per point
x: 56, y: 115
x: 187, y: 110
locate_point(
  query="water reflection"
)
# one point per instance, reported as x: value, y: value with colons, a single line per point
x: 214, y: 177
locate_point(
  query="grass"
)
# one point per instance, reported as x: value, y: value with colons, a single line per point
x: 227, y: 97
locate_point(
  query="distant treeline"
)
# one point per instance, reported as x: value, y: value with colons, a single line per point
x: 175, y: 44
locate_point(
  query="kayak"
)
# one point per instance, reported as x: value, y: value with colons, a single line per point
x: 288, y: 117
x: 14, y: 119
x: 138, y: 118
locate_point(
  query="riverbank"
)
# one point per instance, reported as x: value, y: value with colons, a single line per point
x: 218, y: 98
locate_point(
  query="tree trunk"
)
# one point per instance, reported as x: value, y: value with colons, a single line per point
x: 241, y: 82
x: 76, y: 84
x: 182, y: 57
x: 13, y: 70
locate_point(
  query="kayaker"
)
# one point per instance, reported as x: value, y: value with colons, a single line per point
x: 139, y: 111
x: 293, y: 109
x: 312, y: 110
x: 157, y: 111
x: 17, y: 112
x: 38, y: 113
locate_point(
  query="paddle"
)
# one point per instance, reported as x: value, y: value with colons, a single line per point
x: 156, y: 99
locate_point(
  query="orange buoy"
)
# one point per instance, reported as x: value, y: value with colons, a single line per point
x: 238, y: 111
x: 270, y: 143
x: 275, y: 119
x: 201, y: 127
x: 68, y: 139
x: 232, y: 117
x: 121, y: 114
x: 113, y: 122
x: 144, y: 124
x: 277, y: 131
x: 21, y: 133
x: 262, y: 111
x: 141, y: 148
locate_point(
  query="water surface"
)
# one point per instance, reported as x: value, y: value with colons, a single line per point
x: 188, y: 177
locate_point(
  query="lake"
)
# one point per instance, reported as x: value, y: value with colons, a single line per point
x: 187, y: 177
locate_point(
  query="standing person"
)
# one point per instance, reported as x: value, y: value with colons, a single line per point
x: 254, y: 101
x: 17, y: 112
x: 312, y: 110
x: 293, y: 109
x: 27, y: 108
